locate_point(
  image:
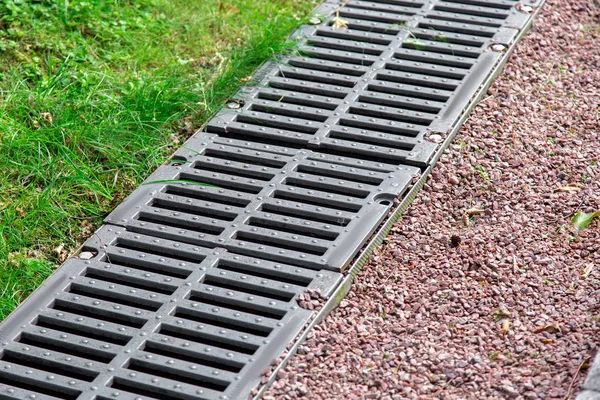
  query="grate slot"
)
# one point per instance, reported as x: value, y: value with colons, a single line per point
x: 266, y: 135
x: 456, y: 26
x: 44, y: 364
x: 22, y: 382
x: 317, y: 77
x: 383, y: 139
x: 191, y: 193
x: 442, y: 48
x: 244, y: 158
x: 366, y: 15
x: 438, y: 71
x: 338, y: 55
x: 380, y: 125
x: 247, y: 288
x: 503, y: 5
x: 487, y: 12
x: 192, y: 208
x: 448, y: 37
x: 104, y: 295
x: 233, y: 324
x: 387, y: 9
x: 339, y: 174
x: 316, y: 201
x: 266, y: 240
x: 221, y: 181
x: 142, y: 264
x: 232, y: 169
x: 44, y: 321
x: 104, y: 315
x: 150, y: 391
x: 404, y: 116
x: 403, y: 90
x: 293, y: 213
x: 301, y: 112
x: 200, y: 337
x: 327, y: 66
x: 209, y: 299
x: 195, y: 226
x: 131, y: 281
x: 466, y: 21
x: 301, y: 99
x: 346, y: 45
x: 305, y: 87
x: 158, y: 251
x: 193, y: 357
x: 424, y: 56
x: 176, y: 375
x: 306, y: 184
x: 401, y: 102
x: 359, y: 37
x: 70, y: 348
x: 268, y: 120
x: 290, y: 228
x: 277, y: 275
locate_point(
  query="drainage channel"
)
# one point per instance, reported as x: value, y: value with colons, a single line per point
x: 189, y: 289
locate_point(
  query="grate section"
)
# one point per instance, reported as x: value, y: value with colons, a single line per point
x: 154, y: 318
x: 374, y: 90
x: 294, y: 206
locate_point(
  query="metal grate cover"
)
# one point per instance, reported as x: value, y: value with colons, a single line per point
x: 154, y: 318
x: 294, y: 206
x: 191, y: 290
x: 373, y: 91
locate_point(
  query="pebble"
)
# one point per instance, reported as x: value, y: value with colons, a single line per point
x: 419, y: 321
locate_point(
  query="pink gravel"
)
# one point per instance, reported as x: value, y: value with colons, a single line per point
x: 426, y: 319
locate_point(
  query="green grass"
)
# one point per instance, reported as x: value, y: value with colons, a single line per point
x: 96, y: 94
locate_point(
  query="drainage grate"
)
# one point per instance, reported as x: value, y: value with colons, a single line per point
x: 294, y: 206
x: 156, y: 318
x: 372, y: 91
x: 191, y: 291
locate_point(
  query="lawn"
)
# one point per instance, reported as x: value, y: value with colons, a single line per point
x: 95, y: 94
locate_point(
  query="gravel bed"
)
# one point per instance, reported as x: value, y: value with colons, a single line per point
x: 499, y: 303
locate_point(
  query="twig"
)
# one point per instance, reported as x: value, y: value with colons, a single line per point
x: 575, y: 377
x: 344, y: 4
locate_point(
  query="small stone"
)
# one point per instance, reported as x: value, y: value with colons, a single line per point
x: 435, y: 138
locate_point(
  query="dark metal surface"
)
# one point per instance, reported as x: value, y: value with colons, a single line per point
x: 294, y: 206
x: 154, y: 318
x: 191, y: 290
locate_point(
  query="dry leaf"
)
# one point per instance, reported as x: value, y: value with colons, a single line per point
x: 61, y: 253
x: 505, y: 325
x: 465, y: 219
x: 246, y: 79
x: 587, y: 270
x: 339, y: 22
x: 474, y: 211
x: 228, y: 10
x: 469, y: 212
x: 567, y: 189
x: 47, y: 117
x: 554, y: 327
